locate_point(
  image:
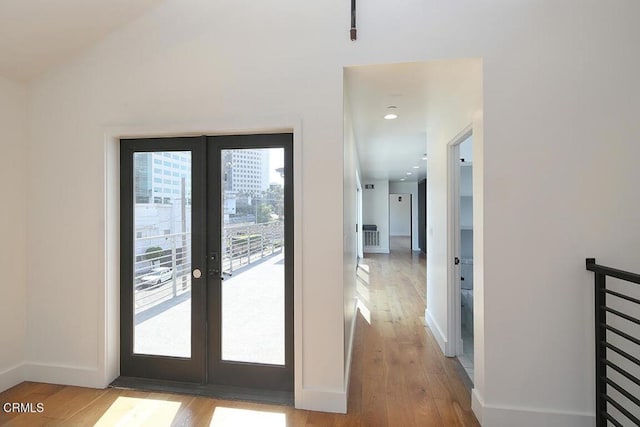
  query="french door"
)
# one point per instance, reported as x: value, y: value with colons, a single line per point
x: 207, y: 260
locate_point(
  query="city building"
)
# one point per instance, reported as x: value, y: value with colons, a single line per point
x: 246, y: 171
x: 159, y: 176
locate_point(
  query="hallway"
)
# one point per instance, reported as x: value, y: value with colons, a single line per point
x: 399, y: 377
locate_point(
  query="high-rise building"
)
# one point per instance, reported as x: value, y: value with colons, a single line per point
x: 158, y: 181
x: 158, y: 177
x: 246, y: 171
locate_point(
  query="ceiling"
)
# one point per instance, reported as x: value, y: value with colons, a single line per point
x: 37, y: 35
x: 422, y: 92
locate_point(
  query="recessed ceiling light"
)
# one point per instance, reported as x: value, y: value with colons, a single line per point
x: 401, y: 179
x: 391, y: 113
x: 408, y: 173
x: 416, y: 167
x: 424, y: 158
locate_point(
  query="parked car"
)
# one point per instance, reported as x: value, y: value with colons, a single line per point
x: 156, y: 276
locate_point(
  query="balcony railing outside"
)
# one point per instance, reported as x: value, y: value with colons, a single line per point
x: 245, y: 244
x: 172, y: 251
x: 242, y: 246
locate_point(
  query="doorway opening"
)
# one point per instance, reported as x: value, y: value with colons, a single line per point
x: 461, y: 177
x: 430, y: 101
x: 400, y: 221
x: 207, y: 261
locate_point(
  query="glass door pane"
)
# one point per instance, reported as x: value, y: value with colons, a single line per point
x: 253, y: 256
x: 162, y: 253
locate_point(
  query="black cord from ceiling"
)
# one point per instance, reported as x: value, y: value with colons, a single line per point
x: 354, y: 32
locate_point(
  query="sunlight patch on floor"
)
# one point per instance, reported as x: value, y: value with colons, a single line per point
x: 233, y: 417
x: 130, y: 411
x: 363, y: 294
x: 366, y: 313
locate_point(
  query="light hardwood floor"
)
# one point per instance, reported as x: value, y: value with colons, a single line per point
x: 399, y: 377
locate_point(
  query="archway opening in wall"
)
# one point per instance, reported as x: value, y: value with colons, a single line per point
x: 398, y: 121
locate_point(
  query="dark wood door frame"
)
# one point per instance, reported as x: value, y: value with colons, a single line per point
x: 153, y: 366
x: 273, y: 377
x: 205, y: 364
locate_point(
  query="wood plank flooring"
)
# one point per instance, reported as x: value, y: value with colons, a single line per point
x: 399, y: 377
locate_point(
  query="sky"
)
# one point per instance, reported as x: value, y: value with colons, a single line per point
x: 276, y: 160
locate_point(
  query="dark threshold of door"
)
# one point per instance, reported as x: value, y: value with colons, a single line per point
x: 464, y: 375
x: 205, y: 390
x: 185, y: 243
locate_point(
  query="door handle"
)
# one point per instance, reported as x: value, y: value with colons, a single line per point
x: 214, y: 269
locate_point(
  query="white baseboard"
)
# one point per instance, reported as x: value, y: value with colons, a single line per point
x: 505, y: 416
x: 372, y: 250
x: 66, y: 375
x: 329, y: 400
x: 11, y: 376
x: 322, y: 400
x: 477, y: 404
x: 437, y: 332
x: 347, y: 368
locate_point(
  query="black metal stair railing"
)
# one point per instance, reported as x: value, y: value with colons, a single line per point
x: 614, y: 324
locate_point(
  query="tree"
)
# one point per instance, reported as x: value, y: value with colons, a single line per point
x: 264, y: 212
x: 153, y: 253
x: 157, y: 254
x: 274, y: 196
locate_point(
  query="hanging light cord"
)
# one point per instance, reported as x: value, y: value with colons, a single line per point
x: 354, y: 32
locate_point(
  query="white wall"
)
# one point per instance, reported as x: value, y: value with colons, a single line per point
x: 350, y: 236
x: 466, y: 180
x: 466, y: 212
x: 560, y: 91
x: 13, y: 237
x: 466, y: 225
x: 466, y: 150
x: 466, y: 197
x: 375, y: 210
x: 412, y: 188
x: 166, y: 69
x: 447, y: 117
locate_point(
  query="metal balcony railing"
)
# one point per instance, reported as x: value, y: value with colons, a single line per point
x: 242, y: 245
x: 245, y: 244
x: 154, y: 253
x: 617, y: 346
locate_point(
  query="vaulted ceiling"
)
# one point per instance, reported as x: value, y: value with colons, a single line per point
x: 37, y: 35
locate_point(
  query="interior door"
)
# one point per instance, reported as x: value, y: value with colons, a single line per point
x: 207, y: 260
